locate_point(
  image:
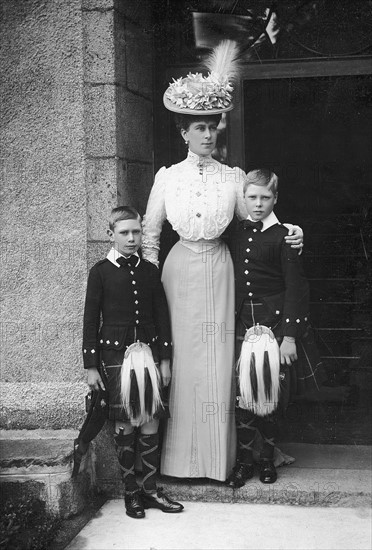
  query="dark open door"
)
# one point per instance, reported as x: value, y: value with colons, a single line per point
x: 315, y: 133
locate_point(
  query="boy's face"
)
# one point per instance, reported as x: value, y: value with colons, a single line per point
x: 126, y: 236
x: 259, y: 201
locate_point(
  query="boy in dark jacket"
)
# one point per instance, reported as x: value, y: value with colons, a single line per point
x: 271, y: 291
x: 126, y: 334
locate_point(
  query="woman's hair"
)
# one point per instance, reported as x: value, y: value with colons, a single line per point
x: 263, y: 178
x: 183, y: 121
x: 123, y: 213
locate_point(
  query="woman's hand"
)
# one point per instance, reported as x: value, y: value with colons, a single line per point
x: 295, y: 236
x: 165, y: 372
x: 288, y: 352
x: 94, y: 379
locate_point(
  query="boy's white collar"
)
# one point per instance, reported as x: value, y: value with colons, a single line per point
x: 113, y: 255
x: 270, y: 220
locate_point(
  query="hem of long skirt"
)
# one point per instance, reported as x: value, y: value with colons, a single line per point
x: 189, y: 477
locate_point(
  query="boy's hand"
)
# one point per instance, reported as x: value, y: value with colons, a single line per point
x: 165, y: 372
x: 288, y: 352
x: 94, y: 379
x: 295, y: 236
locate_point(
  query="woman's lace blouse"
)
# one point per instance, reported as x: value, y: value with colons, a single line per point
x: 198, y: 197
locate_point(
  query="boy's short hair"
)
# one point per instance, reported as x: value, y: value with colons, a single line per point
x: 123, y: 213
x: 262, y: 177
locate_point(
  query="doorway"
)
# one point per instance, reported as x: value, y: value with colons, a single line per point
x: 315, y: 133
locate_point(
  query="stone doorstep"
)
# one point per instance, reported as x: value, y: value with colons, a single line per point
x: 322, y: 475
x: 39, y: 463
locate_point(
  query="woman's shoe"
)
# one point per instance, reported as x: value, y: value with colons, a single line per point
x: 134, y: 505
x: 268, y: 472
x: 161, y: 501
x: 240, y: 474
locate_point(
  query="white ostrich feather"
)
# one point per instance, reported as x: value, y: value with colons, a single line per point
x: 224, y: 60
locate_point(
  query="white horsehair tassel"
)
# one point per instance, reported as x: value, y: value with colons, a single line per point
x: 259, y: 367
x: 137, y: 360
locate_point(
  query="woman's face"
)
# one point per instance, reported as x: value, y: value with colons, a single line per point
x: 201, y: 136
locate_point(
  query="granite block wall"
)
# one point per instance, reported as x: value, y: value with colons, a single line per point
x: 76, y: 140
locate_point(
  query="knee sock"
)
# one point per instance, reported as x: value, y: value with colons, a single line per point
x: 246, y: 434
x: 149, y: 456
x: 124, y: 445
x: 268, y: 433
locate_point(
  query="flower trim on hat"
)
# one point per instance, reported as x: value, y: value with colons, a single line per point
x: 200, y: 92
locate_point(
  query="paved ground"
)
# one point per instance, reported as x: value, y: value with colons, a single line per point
x: 204, y: 526
x: 322, y: 501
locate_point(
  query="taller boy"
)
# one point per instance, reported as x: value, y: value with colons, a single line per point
x: 125, y: 291
x: 271, y: 290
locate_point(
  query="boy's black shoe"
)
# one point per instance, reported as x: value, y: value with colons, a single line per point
x: 161, y: 501
x: 134, y: 505
x: 240, y: 474
x: 267, y: 472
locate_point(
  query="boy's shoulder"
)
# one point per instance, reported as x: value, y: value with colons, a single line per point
x: 149, y: 266
x: 99, y: 265
x: 275, y: 234
x: 279, y: 228
x: 101, y: 262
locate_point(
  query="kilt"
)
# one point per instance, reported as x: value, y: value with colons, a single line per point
x: 302, y: 376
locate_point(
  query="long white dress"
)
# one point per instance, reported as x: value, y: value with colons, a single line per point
x: 198, y: 197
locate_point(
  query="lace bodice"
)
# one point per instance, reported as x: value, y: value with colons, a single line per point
x: 198, y: 197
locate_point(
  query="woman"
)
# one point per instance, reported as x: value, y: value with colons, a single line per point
x: 198, y: 197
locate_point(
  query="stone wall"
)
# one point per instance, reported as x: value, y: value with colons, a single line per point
x: 118, y: 60
x: 76, y: 140
x: 43, y: 212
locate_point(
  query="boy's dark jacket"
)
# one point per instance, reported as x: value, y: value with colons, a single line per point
x: 124, y: 304
x: 268, y: 270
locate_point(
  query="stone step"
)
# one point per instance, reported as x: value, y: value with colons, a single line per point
x: 39, y: 463
x: 321, y: 475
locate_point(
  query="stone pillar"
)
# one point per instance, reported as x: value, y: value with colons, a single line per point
x: 118, y: 58
x: 43, y: 213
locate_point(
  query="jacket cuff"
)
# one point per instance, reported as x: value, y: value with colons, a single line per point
x: 165, y: 350
x: 91, y: 357
x: 294, y: 327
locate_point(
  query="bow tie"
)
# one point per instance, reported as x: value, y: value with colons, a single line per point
x: 127, y: 262
x: 248, y: 224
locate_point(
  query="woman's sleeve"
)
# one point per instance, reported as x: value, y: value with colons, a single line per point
x: 240, y: 208
x: 154, y: 218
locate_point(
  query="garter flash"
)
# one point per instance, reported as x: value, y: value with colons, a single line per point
x: 258, y: 368
x: 140, y: 384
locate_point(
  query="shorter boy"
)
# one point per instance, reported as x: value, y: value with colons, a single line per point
x: 126, y: 332
x: 271, y: 290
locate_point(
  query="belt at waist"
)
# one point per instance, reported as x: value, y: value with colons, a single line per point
x: 202, y: 245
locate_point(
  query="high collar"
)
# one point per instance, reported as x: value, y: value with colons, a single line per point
x: 195, y: 159
x: 270, y: 220
x: 113, y: 255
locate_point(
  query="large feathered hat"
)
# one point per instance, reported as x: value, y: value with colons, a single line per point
x: 212, y: 94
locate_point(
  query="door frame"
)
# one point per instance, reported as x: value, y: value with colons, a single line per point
x: 283, y: 69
